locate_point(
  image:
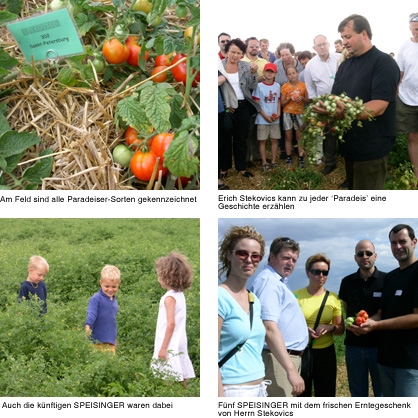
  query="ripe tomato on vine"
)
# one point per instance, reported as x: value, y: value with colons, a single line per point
x: 114, y: 51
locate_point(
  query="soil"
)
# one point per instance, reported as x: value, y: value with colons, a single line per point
x: 235, y: 180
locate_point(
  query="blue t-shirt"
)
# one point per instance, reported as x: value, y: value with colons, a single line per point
x: 268, y: 96
x: 101, y: 316
x: 279, y: 304
x: 247, y: 364
x: 29, y: 289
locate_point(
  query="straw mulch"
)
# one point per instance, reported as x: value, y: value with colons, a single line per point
x: 76, y: 123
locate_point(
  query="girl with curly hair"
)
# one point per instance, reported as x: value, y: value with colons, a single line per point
x: 170, y: 358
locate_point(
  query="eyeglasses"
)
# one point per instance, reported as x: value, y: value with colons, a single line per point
x: 317, y: 272
x: 361, y: 253
x: 414, y: 19
x: 253, y: 46
x: 224, y: 41
x: 243, y: 255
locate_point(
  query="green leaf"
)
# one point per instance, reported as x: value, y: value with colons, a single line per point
x: 12, y: 142
x: 177, y: 113
x: 13, y: 161
x: 180, y: 157
x: 14, y: 6
x: 3, y: 163
x: 6, y: 61
x: 83, y: 23
x: 155, y: 99
x: 66, y: 77
x: 40, y: 170
x: 133, y: 114
x: 6, y: 17
x: 4, y: 124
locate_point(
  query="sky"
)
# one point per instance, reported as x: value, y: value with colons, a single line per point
x: 336, y: 238
x: 300, y: 21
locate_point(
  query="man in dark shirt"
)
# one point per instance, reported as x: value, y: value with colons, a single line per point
x: 372, y: 76
x: 362, y: 290
x: 397, y: 320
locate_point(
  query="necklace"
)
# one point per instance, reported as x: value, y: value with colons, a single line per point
x: 35, y: 286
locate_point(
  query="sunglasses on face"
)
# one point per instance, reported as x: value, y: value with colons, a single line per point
x: 243, y: 255
x: 317, y: 272
x: 361, y: 253
x: 414, y: 19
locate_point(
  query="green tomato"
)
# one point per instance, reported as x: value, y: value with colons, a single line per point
x: 155, y: 22
x: 99, y: 65
x: 142, y: 6
x: 349, y: 321
x: 181, y: 11
x: 122, y: 155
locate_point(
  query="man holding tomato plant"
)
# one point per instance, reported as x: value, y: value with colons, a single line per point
x: 397, y: 318
x: 361, y: 292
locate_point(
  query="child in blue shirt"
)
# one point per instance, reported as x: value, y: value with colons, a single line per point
x: 34, y: 285
x: 102, y: 309
x: 267, y: 94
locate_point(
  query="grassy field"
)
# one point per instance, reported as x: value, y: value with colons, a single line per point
x: 48, y: 355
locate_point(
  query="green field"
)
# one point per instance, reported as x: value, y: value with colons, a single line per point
x: 49, y: 355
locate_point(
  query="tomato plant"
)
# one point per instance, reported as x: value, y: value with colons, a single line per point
x: 143, y: 163
x: 115, y: 51
x: 160, y: 143
x: 160, y: 78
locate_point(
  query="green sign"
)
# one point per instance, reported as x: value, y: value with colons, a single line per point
x: 48, y: 36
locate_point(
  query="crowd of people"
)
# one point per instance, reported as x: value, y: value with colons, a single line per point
x: 170, y: 359
x: 262, y: 95
x: 266, y: 330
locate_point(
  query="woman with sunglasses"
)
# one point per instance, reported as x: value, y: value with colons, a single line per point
x: 241, y: 331
x: 324, y: 370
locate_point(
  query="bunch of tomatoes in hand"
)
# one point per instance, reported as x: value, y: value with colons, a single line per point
x: 317, y: 125
x: 360, y: 318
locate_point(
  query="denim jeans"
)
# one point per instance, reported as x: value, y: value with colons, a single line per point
x: 399, y: 382
x: 244, y: 391
x: 361, y: 361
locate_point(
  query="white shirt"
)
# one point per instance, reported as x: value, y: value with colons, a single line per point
x: 233, y: 78
x: 320, y: 75
x: 408, y: 63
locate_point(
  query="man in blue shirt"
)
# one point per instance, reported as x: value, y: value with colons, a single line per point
x: 286, y: 330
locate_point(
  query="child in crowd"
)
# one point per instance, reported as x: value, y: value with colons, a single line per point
x: 34, y: 284
x: 102, y: 309
x: 293, y: 96
x: 267, y: 94
x: 170, y: 358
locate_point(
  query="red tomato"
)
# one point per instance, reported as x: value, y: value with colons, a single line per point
x: 360, y: 320
x: 197, y: 79
x: 179, y: 71
x: 162, y: 77
x: 160, y: 144
x: 134, y: 51
x: 142, y: 165
x: 131, y: 137
x: 163, y: 60
x: 115, y: 51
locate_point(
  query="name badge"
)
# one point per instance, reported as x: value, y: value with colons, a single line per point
x: 377, y: 294
x: 398, y: 293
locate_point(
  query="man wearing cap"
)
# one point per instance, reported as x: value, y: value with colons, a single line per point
x: 267, y: 94
x: 407, y: 100
x: 286, y: 331
x: 358, y: 291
